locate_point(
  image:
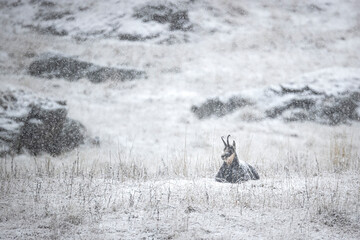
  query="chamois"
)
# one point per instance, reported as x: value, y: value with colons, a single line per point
x: 232, y: 170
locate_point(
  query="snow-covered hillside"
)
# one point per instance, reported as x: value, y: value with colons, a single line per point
x: 146, y: 129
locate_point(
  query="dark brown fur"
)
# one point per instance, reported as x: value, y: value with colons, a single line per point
x: 232, y: 170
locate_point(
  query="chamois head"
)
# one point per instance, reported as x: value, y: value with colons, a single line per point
x: 229, y: 151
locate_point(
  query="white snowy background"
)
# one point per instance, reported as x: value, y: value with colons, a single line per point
x: 152, y: 176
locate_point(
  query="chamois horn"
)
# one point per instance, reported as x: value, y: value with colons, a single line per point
x: 228, y: 140
x: 222, y: 138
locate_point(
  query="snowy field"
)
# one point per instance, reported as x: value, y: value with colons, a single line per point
x: 152, y: 175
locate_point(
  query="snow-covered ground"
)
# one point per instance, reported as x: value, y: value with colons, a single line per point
x: 79, y: 207
x: 153, y: 174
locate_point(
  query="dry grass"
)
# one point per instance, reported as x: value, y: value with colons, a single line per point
x: 341, y: 154
x: 74, y: 198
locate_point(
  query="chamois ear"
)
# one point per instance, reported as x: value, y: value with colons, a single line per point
x: 234, y: 145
